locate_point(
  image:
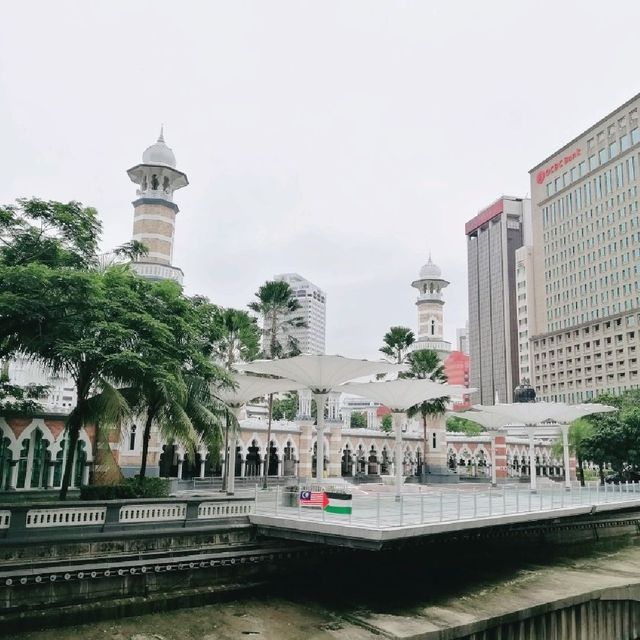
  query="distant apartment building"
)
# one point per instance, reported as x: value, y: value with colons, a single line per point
x: 313, y: 303
x: 586, y: 262
x: 462, y: 339
x: 493, y: 236
x: 525, y: 302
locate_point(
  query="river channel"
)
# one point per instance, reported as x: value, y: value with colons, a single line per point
x: 412, y: 593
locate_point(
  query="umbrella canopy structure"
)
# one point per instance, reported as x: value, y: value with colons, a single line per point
x: 249, y: 387
x: 404, y: 393
x: 400, y: 395
x: 532, y: 414
x: 246, y: 388
x: 321, y: 374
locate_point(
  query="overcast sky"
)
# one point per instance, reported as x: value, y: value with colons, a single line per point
x: 340, y: 140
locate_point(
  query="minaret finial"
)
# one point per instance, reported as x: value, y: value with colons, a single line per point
x: 429, y: 256
x: 161, y: 136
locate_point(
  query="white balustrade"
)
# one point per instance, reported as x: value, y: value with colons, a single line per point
x: 211, y: 510
x: 152, y: 512
x: 65, y: 517
x: 5, y: 519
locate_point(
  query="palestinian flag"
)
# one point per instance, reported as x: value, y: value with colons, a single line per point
x: 337, y: 502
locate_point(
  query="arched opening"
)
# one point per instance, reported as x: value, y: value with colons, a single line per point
x: 273, y: 460
x: 239, y: 463
x: 347, y: 466
x: 372, y: 467
x: 169, y: 461
x: 433, y: 327
x: 132, y: 437
x: 289, y: 466
x: 79, y: 463
x: 252, y: 464
x: 6, y: 459
x: 385, y: 464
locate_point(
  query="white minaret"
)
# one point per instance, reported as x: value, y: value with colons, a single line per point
x: 154, y: 212
x: 430, y: 310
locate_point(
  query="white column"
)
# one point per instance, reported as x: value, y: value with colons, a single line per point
x: 13, y: 475
x: 280, y: 463
x: 85, y: 474
x: 321, y: 400
x: 354, y: 466
x: 494, y: 480
x: 231, y: 464
x: 565, y: 455
x: 532, y: 459
x: 201, y: 466
x: 398, y: 417
x: 50, y: 472
x: 180, y: 460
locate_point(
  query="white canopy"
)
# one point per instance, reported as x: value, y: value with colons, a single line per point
x: 320, y: 373
x: 399, y: 395
x: 529, y: 413
x: 490, y: 421
x: 250, y: 387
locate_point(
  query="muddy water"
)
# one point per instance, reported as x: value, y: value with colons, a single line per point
x: 366, y: 595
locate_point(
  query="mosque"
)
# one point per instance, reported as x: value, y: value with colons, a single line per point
x: 32, y: 450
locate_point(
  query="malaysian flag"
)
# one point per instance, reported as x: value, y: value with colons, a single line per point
x: 313, y: 499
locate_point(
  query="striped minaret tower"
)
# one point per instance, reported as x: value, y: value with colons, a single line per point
x: 154, y: 211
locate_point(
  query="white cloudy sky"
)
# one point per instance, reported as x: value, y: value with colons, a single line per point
x: 343, y: 139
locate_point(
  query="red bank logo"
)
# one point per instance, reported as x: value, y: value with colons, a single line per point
x: 543, y: 174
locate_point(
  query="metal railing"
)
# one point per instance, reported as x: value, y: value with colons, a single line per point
x: 431, y: 506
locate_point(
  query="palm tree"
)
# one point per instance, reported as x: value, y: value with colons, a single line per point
x: 239, y: 338
x: 397, y: 342
x: 239, y: 341
x: 278, y: 309
x: 425, y: 364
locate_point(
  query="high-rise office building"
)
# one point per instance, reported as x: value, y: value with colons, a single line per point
x: 586, y: 262
x: 492, y: 239
x: 313, y: 303
x: 462, y: 339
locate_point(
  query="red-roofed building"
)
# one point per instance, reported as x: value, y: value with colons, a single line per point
x: 456, y: 367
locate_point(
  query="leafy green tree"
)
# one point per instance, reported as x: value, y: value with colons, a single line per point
x: 458, y: 424
x: 396, y: 344
x: 358, y: 420
x: 386, y: 425
x: 286, y: 407
x: 279, y: 310
x: 79, y: 321
x: 16, y: 400
x: 615, y: 437
x: 87, y: 325
x: 425, y: 364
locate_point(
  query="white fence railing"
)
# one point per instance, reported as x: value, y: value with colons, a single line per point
x: 432, y: 505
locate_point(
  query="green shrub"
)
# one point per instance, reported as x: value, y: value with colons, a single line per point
x: 127, y: 489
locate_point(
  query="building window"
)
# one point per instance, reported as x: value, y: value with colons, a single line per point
x: 132, y: 437
x: 635, y: 135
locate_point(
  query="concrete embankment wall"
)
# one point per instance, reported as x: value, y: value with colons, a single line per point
x: 610, y: 614
x: 58, y: 567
